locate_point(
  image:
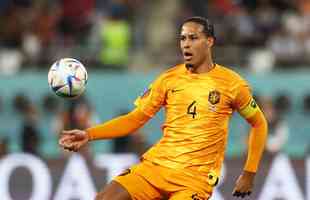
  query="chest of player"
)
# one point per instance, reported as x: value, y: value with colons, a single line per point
x: 198, y: 96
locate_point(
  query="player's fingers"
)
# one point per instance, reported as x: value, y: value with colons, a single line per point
x: 236, y: 193
x: 70, y: 138
x: 68, y: 144
x: 75, y: 134
x: 72, y: 147
x: 241, y: 194
x: 67, y: 148
x: 71, y: 150
x: 66, y: 140
x: 236, y: 190
x: 61, y: 142
x: 62, y: 139
x: 71, y: 144
x: 76, y: 147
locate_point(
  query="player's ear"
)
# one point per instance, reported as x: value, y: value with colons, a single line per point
x: 210, y: 41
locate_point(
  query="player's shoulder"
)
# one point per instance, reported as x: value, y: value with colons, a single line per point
x: 229, y: 74
x: 177, y: 69
x: 173, y: 71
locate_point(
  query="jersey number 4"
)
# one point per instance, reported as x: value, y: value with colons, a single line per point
x: 191, y: 109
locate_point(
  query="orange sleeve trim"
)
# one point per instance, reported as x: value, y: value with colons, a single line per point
x: 119, y: 126
x: 257, y: 140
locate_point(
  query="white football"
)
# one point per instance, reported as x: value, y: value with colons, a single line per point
x: 67, y: 78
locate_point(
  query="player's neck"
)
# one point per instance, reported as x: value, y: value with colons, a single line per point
x: 204, y: 67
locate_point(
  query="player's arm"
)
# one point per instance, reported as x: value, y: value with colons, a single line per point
x: 120, y: 126
x: 257, y: 135
x: 249, y: 110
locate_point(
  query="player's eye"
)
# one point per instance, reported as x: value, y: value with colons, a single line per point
x: 182, y: 37
x: 193, y: 37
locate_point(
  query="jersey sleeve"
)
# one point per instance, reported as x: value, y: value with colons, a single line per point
x: 244, y: 102
x: 153, y: 98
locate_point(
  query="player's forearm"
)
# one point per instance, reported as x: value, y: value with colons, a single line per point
x: 257, y: 140
x: 119, y: 126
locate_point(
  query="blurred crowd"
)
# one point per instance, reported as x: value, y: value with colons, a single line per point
x: 122, y: 34
x: 35, y: 33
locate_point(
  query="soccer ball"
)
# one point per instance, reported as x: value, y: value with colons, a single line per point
x: 67, y: 78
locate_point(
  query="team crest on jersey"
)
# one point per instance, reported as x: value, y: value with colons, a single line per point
x: 214, y: 97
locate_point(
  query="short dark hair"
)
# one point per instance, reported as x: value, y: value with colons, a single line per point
x: 208, y: 27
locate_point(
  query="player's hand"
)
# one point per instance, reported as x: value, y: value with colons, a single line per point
x: 244, y: 184
x: 73, y: 140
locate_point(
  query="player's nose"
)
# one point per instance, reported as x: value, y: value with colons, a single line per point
x: 185, y: 48
x: 186, y: 44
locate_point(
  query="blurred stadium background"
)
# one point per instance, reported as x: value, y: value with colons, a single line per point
x: 124, y: 44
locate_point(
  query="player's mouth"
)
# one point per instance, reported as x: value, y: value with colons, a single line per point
x: 187, y: 56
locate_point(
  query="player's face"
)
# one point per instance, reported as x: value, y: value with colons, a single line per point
x: 194, y: 44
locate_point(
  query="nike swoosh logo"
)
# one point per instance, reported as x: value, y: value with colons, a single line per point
x: 176, y: 90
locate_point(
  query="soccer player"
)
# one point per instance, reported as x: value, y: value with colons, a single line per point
x: 199, y: 97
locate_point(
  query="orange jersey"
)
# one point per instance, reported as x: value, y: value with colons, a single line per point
x: 197, y: 110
